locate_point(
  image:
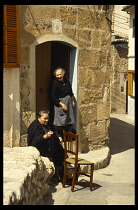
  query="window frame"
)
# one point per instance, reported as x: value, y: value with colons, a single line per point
x: 131, y: 74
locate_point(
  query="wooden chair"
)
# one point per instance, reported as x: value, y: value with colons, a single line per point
x: 71, y: 159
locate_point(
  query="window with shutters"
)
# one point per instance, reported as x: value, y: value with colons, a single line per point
x: 131, y: 82
x: 11, y: 36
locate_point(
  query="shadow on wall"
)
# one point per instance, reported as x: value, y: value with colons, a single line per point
x: 121, y: 136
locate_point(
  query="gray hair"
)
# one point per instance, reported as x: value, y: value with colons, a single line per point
x: 41, y: 112
x: 59, y: 68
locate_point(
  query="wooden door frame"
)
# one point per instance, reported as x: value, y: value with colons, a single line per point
x: 73, y: 69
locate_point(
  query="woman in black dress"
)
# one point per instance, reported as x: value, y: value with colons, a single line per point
x: 46, y: 141
x: 63, y: 100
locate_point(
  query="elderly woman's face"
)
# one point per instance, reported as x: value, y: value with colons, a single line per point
x: 44, y: 119
x: 60, y: 75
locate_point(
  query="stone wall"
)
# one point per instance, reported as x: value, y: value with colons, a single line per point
x: 26, y: 176
x: 119, y: 80
x: 89, y: 27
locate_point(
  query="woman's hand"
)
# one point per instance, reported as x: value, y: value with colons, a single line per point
x: 72, y: 101
x: 63, y: 106
x: 60, y: 139
x: 48, y: 135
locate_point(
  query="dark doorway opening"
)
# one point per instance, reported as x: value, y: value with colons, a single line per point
x: 49, y: 55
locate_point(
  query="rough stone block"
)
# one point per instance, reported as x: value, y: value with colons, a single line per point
x: 100, y: 76
x: 101, y: 22
x: 23, y: 182
x: 71, y: 33
x: 24, y: 56
x: 84, y: 44
x: 89, y: 58
x: 105, y: 39
x: 86, y: 18
x: 106, y: 94
x: 103, y: 111
x: 90, y: 95
x: 23, y: 141
x: 96, y: 39
x: 84, y: 35
x: 87, y: 114
x: 68, y: 14
x: 97, y: 131
x: 27, y: 37
x: 85, y: 77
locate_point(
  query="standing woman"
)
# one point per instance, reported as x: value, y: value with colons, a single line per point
x: 63, y: 99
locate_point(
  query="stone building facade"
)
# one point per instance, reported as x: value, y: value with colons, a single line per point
x: 119, y: 85
x: 119, y: 80
x: 78, y: 38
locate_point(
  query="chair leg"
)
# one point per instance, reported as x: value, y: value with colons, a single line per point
x: 77, y: 175
x: 64, y: 177
x: 73, y: 182
x: 74, y: 178
x: 91, y: 176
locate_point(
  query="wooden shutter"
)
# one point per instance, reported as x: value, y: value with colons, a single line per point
x: 11, y: 36
x: 130, y: 83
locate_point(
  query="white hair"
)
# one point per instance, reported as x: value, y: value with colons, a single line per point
x: 59, y: 68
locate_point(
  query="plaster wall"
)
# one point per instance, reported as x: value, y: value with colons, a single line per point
x: 131, y: 39
x: 11, y: 107
x: 131, y: 106
x: 121, y: 21
x: 131, y: 64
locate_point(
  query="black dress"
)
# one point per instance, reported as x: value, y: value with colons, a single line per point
x: 50, y: 147
x: 62, y: 92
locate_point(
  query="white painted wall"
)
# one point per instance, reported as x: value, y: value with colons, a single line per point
x: 131, y: 45
x: 73, y: 79
x: 131, y: 63
x: 121, y: 20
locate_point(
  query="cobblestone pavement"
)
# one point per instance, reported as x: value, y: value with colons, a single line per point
x: 112, y: 185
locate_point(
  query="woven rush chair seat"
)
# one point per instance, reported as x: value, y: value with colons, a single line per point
x: 71, y: 160
x: 80, y: 161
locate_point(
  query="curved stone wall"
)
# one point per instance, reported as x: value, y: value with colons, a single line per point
x: 26, y: 176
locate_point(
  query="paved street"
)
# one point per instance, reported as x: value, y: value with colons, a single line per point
x: 113, y: 185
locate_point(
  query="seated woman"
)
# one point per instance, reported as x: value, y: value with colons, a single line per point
x: 46, y: 141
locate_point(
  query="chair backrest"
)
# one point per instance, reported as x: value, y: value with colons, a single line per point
x: 70, y: 144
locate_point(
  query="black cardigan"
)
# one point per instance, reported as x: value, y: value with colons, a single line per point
x: 50, y: 147
x: 35, y: 133
x: 60, y: 90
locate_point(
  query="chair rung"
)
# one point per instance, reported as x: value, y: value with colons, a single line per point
x: 79, y: 172
x: 82, y: 181
x: 68, y: 175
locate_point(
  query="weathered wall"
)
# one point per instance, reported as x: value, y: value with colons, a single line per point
x: 11, y: 107
x: 87, y: 26
x: 119, y: 80
x: 25, y: 176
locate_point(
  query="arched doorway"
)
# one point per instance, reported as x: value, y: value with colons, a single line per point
x: 50, y: 55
